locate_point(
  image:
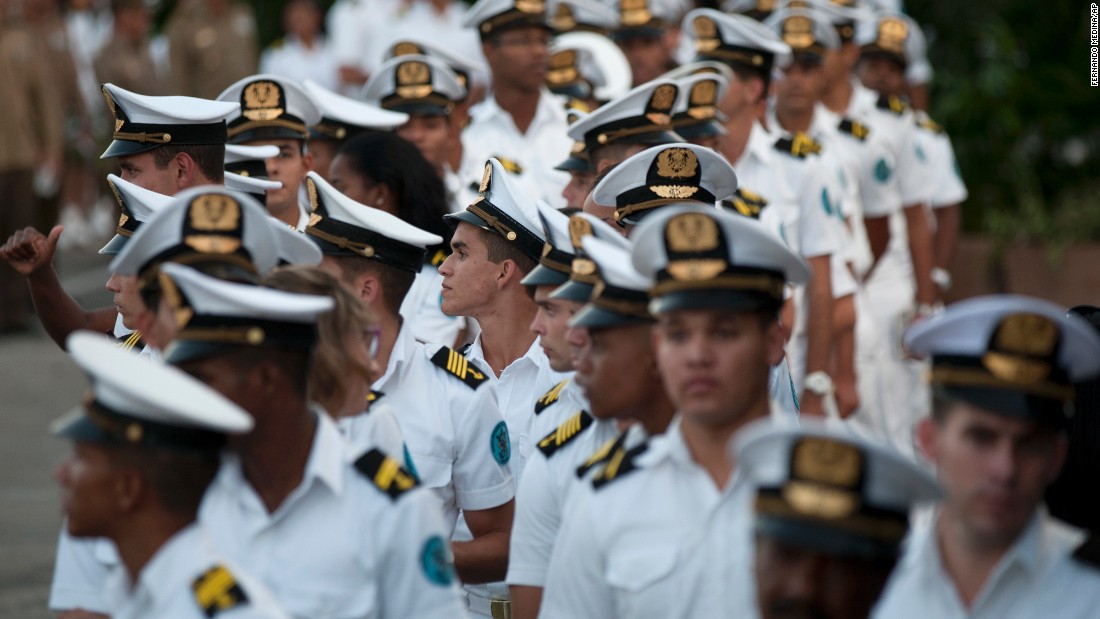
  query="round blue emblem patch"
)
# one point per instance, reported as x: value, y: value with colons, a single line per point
x: 500, y: 444
x: 409, y: 462
x: 882, y: 171
x: 436, y: 560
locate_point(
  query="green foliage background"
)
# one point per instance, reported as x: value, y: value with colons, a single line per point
x: 1012, y: 88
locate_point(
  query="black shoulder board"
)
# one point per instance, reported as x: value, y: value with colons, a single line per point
x: 216, y: 590
x: 799, y: 145
x: 602, y: 455
x: 566, y: 432
x: 892, y: 103
x: 373, y: 396
x: 854, y: 128
x: 438, y: 257
x: 386, y: 473
x: 132, y: 341
x: 549, y: 397
x: 1089, y: 552
x: 465, y: 350
x: 619, y: 465
x: 458, y: 366
x: 746, y: 203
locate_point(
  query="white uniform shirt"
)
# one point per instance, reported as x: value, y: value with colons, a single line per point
x: 166, y: 586
x: 291, y: 59
x: 422, y: 310
x: 375, y: 429
x: 802, y: 202
x: 662, y: 541
x: 946, y: 184
x: 420, y: 21
x: 1038, y: 577
x: 517, y: 388
x: 493, y: 133
x: 338, y: 546
x: 541, y: 501
x: 449, y: 430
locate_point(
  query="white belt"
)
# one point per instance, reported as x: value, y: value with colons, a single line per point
x: 485, y: 607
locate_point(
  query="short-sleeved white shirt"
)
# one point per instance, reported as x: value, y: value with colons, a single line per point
x: 166, y: 585
x: 1038, y: 577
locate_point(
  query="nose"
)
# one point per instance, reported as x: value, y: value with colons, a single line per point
x: 113, y: 284
x: 272, y: 168
x: 445, y: 266
x: 537, y: 323
x: 61, y: 474
x: 576, y: 336
x: 1003, y: 462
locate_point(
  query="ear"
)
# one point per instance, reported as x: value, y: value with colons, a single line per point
x: 774, y: 334
x: 307, y: 163
x: 186, y: 171
x: 369, y: 288
x: 507, y: 271
x: 927, y: 439
x: 671, y: 39
x: 129, y: 487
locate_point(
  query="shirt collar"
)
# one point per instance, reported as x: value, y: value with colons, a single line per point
x: 760, y: 143
x: 158, y: 575
x: 326, y: 457
x: 404, y: 347
x: 478, y: 353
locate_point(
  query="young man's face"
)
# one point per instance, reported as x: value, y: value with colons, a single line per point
x: 621, y: 369
x: 716, y: 363
x: 550, y: 324
x: 800, y: 87
x: 792, y: 581
x: 881, y: 74
x: 225, y: 376
x: 649, y: 56
x: 431, y: 135
x: 289, y: 167
x: 577, y: 189
x: 127, y: 299
x: 519, y: 57
x: 142, y: 170
x: 87, y: 481
x: 323, y: 152
x: 994, y: 469
x: 348, y: 181
x: 470, y: 280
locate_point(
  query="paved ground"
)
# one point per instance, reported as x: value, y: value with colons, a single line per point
x: 37, y: 384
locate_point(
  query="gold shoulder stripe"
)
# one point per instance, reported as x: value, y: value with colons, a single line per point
x: 216, y: 591
x: 549, y: 397
x: 619, y: 465
x: 602, y: 455
x: 386, y: 473
x: 458, y: 366
x: 799, y: 145
x: 565, y: 433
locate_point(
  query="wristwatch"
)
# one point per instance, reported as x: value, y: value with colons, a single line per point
x: 941, y: 278
x: 818, y: 383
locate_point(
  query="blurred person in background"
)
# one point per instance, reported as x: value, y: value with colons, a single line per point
x: 304, y: 52
x: 212, y: 43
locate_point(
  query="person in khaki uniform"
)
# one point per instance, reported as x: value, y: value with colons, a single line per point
x: 126, y: 60
x: 212, y: 43
x: 30, y: 136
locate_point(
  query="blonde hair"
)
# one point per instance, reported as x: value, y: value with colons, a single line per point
x: 332, y: 367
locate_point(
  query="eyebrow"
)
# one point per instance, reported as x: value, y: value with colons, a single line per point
x: 459, y: 245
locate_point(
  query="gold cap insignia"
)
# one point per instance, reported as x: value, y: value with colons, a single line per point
x: 693, y: 233
x: 704, y: 94
x: 563, y: 67
x: 1022, y: 349
x: 583, y: 266
x: 214, y: 213
x: 634, y: 12
x: 892, y: 33
x: 563, y: 20
x: 706, y: 34
x: 765, y: 5
x: 406, y: 48
x: 414, y: 80
x: 660, y: 104
x: 798, y: 32
x: 825, y: 478
x: 262, y: 101
x: 677, y: 163
x: 579, y: 228
x: 531, y: 7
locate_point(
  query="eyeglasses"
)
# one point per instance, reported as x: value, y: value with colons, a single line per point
x: 372, y: 338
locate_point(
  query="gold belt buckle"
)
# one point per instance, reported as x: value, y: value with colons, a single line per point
x: 500, y: 609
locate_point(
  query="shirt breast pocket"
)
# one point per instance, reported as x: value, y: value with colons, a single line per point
x: 328, y: 601
x: 644, y: 579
